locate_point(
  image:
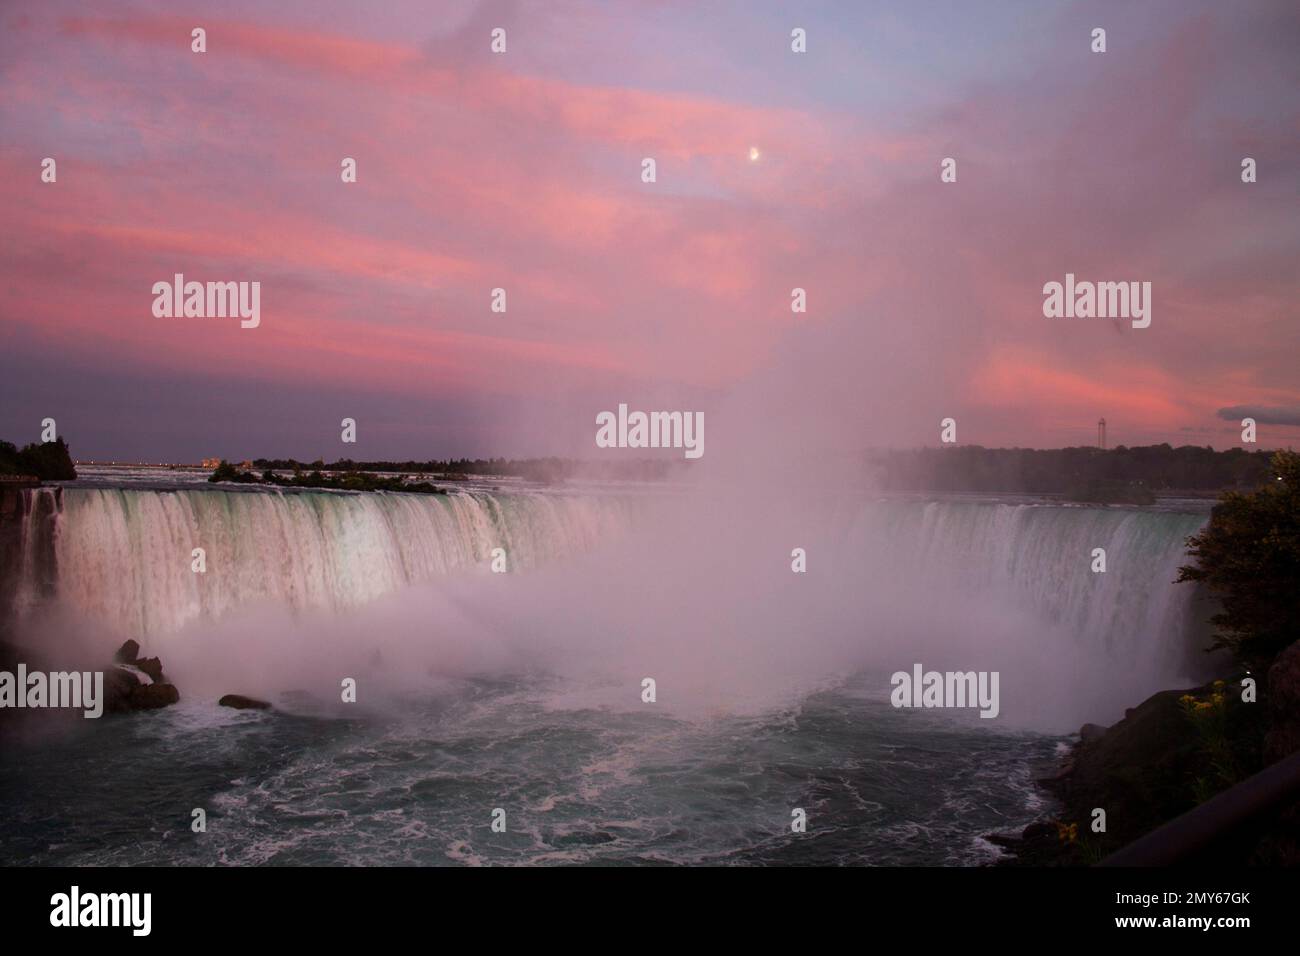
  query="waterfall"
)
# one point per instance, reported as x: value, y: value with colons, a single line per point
x: 125, y: 556
x: 29, y: 524
x: 1038, y: 559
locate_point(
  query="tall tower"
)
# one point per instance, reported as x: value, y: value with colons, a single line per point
x: 1101, y: 433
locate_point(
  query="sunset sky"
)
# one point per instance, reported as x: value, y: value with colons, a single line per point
x: 522, y: 171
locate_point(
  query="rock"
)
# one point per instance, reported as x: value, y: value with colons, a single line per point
x: 1283, y: 694
x: 240, y: 702
x: 1037, y: 845
x: 153, y: 696
x: 1151, y: 767
x: 124, y: 692
x: 118, y: 685
x: 1062, y: 773
x: 1038, y: 830
x: 153, y: 667
x: 128, y: 653
x: 1090, y: 732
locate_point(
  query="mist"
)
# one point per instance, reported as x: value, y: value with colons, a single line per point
x: 699, y: 596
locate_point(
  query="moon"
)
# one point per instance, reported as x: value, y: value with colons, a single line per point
x: 754, y: 154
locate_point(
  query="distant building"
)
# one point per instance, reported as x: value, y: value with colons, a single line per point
x: 211, y: 462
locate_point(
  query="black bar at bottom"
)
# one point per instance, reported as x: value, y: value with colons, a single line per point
x: 375, y: 905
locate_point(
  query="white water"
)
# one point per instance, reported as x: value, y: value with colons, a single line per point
x: 125, y: 556
x: 1038, y: 559
x: 699, y: 591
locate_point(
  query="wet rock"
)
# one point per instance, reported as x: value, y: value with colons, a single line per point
x: 1062, y: 774
x: 1283, y: 694
x: 153, y: 667
x: 1144, y: 770
x: 153, y: 696
x: 1091, y: 732
x: 1037, y: 845
x: 118, y: 685
x: 124, y: 692
x: 128, y: 653
x: 240, y: 702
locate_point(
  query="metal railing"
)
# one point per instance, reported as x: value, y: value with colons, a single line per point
x: 1251, y: 803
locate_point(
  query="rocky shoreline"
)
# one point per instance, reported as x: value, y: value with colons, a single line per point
x: 1168, y: 755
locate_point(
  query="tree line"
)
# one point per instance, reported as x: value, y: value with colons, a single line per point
x: 1069, y: 471
x: 535, y: 469
x: 48, y: 461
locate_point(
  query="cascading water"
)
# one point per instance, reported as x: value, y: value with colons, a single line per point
x: 125, y: 556
x: 1039, y: 558
x: 29, y: 523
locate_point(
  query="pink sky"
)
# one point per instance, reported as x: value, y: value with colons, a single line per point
x: 522, y: 171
